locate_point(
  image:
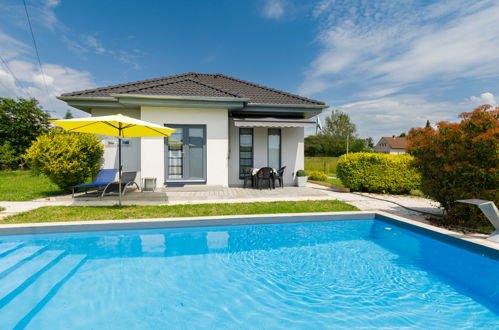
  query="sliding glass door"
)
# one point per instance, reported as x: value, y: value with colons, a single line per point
x: 185, y: 153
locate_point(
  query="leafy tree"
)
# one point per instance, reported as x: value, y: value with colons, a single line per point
x: 459, y: 161
x: 402, y: 134
x: 369, y: 143
x: 66, y: 158
x: 8, y: 158
x: 314, y: 145
x: 339, y: 125
x: 333, y: 138
x: 68, y: 115
x: 21, y: 121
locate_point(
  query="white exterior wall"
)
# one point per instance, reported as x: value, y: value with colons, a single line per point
x: 146, y: 156
x: 292, y: 152
x: 130, y: 154
x: 384, y: 148
x: 217, y: 146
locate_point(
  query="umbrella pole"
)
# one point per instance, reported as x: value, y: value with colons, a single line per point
x: 119, y: 169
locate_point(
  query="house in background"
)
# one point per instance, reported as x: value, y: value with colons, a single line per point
x: 391, y: 145
x: 224, y: 127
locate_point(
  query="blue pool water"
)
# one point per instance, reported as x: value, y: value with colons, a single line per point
x: 339, y: 274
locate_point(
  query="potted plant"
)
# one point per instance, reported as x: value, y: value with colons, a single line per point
x: 301, y: 178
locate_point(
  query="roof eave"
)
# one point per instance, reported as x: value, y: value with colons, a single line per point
x: 86, y: 98
x: 301, y: 106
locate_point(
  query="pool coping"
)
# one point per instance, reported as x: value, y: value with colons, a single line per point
x: 478, y: 244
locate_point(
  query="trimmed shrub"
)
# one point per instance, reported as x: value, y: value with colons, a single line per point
x: 66, y: 158
x: 317, y: 176
x: 460, y: 161
x: 301, y: 173
x: 379, y: 173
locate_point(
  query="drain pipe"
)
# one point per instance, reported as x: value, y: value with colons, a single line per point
x: 490, y: 210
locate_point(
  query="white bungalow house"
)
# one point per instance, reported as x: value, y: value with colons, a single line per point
x: 224, y: 127
x: 391, y: 145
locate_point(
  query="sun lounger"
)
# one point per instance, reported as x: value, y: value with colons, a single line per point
x: 127, y: 180
x: 104, y: 178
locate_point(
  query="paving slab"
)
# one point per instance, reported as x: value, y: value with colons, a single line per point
x: 406, y: 206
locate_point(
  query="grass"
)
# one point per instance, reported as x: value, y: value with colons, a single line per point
x: 2, y: 209
x: 25, y: 186
x: 335, y: 181
x: 321, y: 164
x: 85, y: 213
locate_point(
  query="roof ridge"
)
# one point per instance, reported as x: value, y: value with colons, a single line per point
x: 268, y: 88
x: 195, y: 81
x: 131, y: 83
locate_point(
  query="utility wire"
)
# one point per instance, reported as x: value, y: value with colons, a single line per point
x: 16, y: 80
x: 37, y: 53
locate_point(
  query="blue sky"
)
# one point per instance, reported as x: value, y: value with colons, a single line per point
x: 390, y: 64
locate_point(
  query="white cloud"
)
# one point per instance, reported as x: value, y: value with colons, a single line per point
x: 11, y: 47
x: 274, y: 9
x: 130, y: 57
x: 95, y: 44
x: 29, y: 81
x: 44, y: 12
x: 397, y: 44
x: 484, y: 98
x: 396, y: 114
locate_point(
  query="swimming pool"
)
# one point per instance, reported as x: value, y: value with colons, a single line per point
x: 325, y: 274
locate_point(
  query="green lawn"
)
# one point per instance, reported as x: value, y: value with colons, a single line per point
x: 321, y: 164
x: 84, y: 213
x: 335, y: 181
x: 25, y: 186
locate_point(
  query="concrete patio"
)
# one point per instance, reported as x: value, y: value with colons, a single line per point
x: 397, y: 205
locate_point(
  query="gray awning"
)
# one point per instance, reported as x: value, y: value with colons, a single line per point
x: 273, y: 122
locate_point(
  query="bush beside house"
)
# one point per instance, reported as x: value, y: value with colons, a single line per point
x: 460, y: 161
x: 378, y: 173
x: 66, y: 158
x: 317, y: 176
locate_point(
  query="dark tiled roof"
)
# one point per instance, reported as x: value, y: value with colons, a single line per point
x: 184, y: 87
x: 200, y: 84
x: 396, y: 142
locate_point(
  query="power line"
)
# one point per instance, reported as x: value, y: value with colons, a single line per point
x: 16, y: 80
x: 37, y: 53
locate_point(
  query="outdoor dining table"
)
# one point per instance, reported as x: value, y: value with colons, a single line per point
x: 254, y: 172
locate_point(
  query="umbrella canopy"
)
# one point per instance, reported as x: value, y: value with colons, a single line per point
x: 114, y: 125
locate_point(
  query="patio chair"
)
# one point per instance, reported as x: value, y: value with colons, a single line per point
x: 248, y: 177
x: 279, y: 176
x: 127, y: 180
x: 265, y: 174
x: 103, y: 180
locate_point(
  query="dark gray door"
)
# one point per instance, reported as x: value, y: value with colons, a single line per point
x: 185, y: 153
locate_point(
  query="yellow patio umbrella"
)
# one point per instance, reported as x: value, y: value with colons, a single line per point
x: 114, y: 125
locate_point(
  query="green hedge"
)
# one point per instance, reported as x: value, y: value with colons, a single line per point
x: 380, y: 173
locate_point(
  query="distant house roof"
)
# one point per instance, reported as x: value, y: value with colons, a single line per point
x: 201, y: 85
x: 396, y: 142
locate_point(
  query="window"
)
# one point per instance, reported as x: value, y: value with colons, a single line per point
x: 274, y: 148
x: 245, y: 151
x: 186, y: 153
